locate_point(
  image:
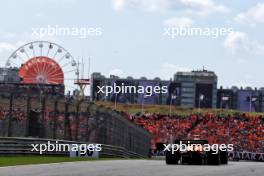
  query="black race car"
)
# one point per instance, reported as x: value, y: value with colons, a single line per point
x: 195, y: 154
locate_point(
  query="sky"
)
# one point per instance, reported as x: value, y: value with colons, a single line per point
x: 132, y: 40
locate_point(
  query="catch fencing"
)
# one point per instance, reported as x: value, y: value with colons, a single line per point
x: 60, y: 118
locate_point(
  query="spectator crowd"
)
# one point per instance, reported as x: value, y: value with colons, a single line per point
x: 244, y: 131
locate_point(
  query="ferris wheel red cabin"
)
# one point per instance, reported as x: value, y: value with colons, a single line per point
x: 41, y: 70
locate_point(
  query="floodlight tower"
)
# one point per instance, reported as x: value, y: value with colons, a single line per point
x: 82, y: 82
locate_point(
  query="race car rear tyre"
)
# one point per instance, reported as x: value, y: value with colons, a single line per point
x: 171, y: 158
x: 213, y: 159
x: 224, y: 157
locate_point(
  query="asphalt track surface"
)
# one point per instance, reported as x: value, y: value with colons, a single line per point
x: 134, y: 168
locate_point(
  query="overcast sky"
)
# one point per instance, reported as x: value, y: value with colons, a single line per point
x: 132, y: 41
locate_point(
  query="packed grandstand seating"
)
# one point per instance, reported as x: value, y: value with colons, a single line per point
x: 246, y: 132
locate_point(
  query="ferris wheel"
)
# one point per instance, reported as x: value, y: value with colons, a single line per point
x: 43, y: 62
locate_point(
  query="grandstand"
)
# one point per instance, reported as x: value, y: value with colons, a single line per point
x: 244, y: 130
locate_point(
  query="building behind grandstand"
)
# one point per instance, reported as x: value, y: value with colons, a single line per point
x: 195, y: 89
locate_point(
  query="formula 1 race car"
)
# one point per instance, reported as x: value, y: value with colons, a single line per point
x: 195, y: 155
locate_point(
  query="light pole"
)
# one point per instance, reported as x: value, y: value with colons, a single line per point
x: 142, y: 103
x: 250, y: 102
x: 115, y: 100
x: 201, y: 98
x: 221, y: 102
x: 173, y: 97
x: 224, y: 99
x: 253, y: 100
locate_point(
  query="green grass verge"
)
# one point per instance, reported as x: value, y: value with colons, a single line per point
x: 26, y: 160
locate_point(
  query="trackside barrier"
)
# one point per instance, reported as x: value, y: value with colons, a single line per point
x: 68, y: 119
x: 249, y: 156
x: 22, y: 146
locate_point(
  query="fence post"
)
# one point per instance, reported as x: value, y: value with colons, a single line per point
x: 42, y: 118
x: 87, y: 122
x: 65, y: 119
x: 28, y: 114
x: 77, y: 121
x: 9, y: 130
x: 55, y: 115
x: 67, y: 127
